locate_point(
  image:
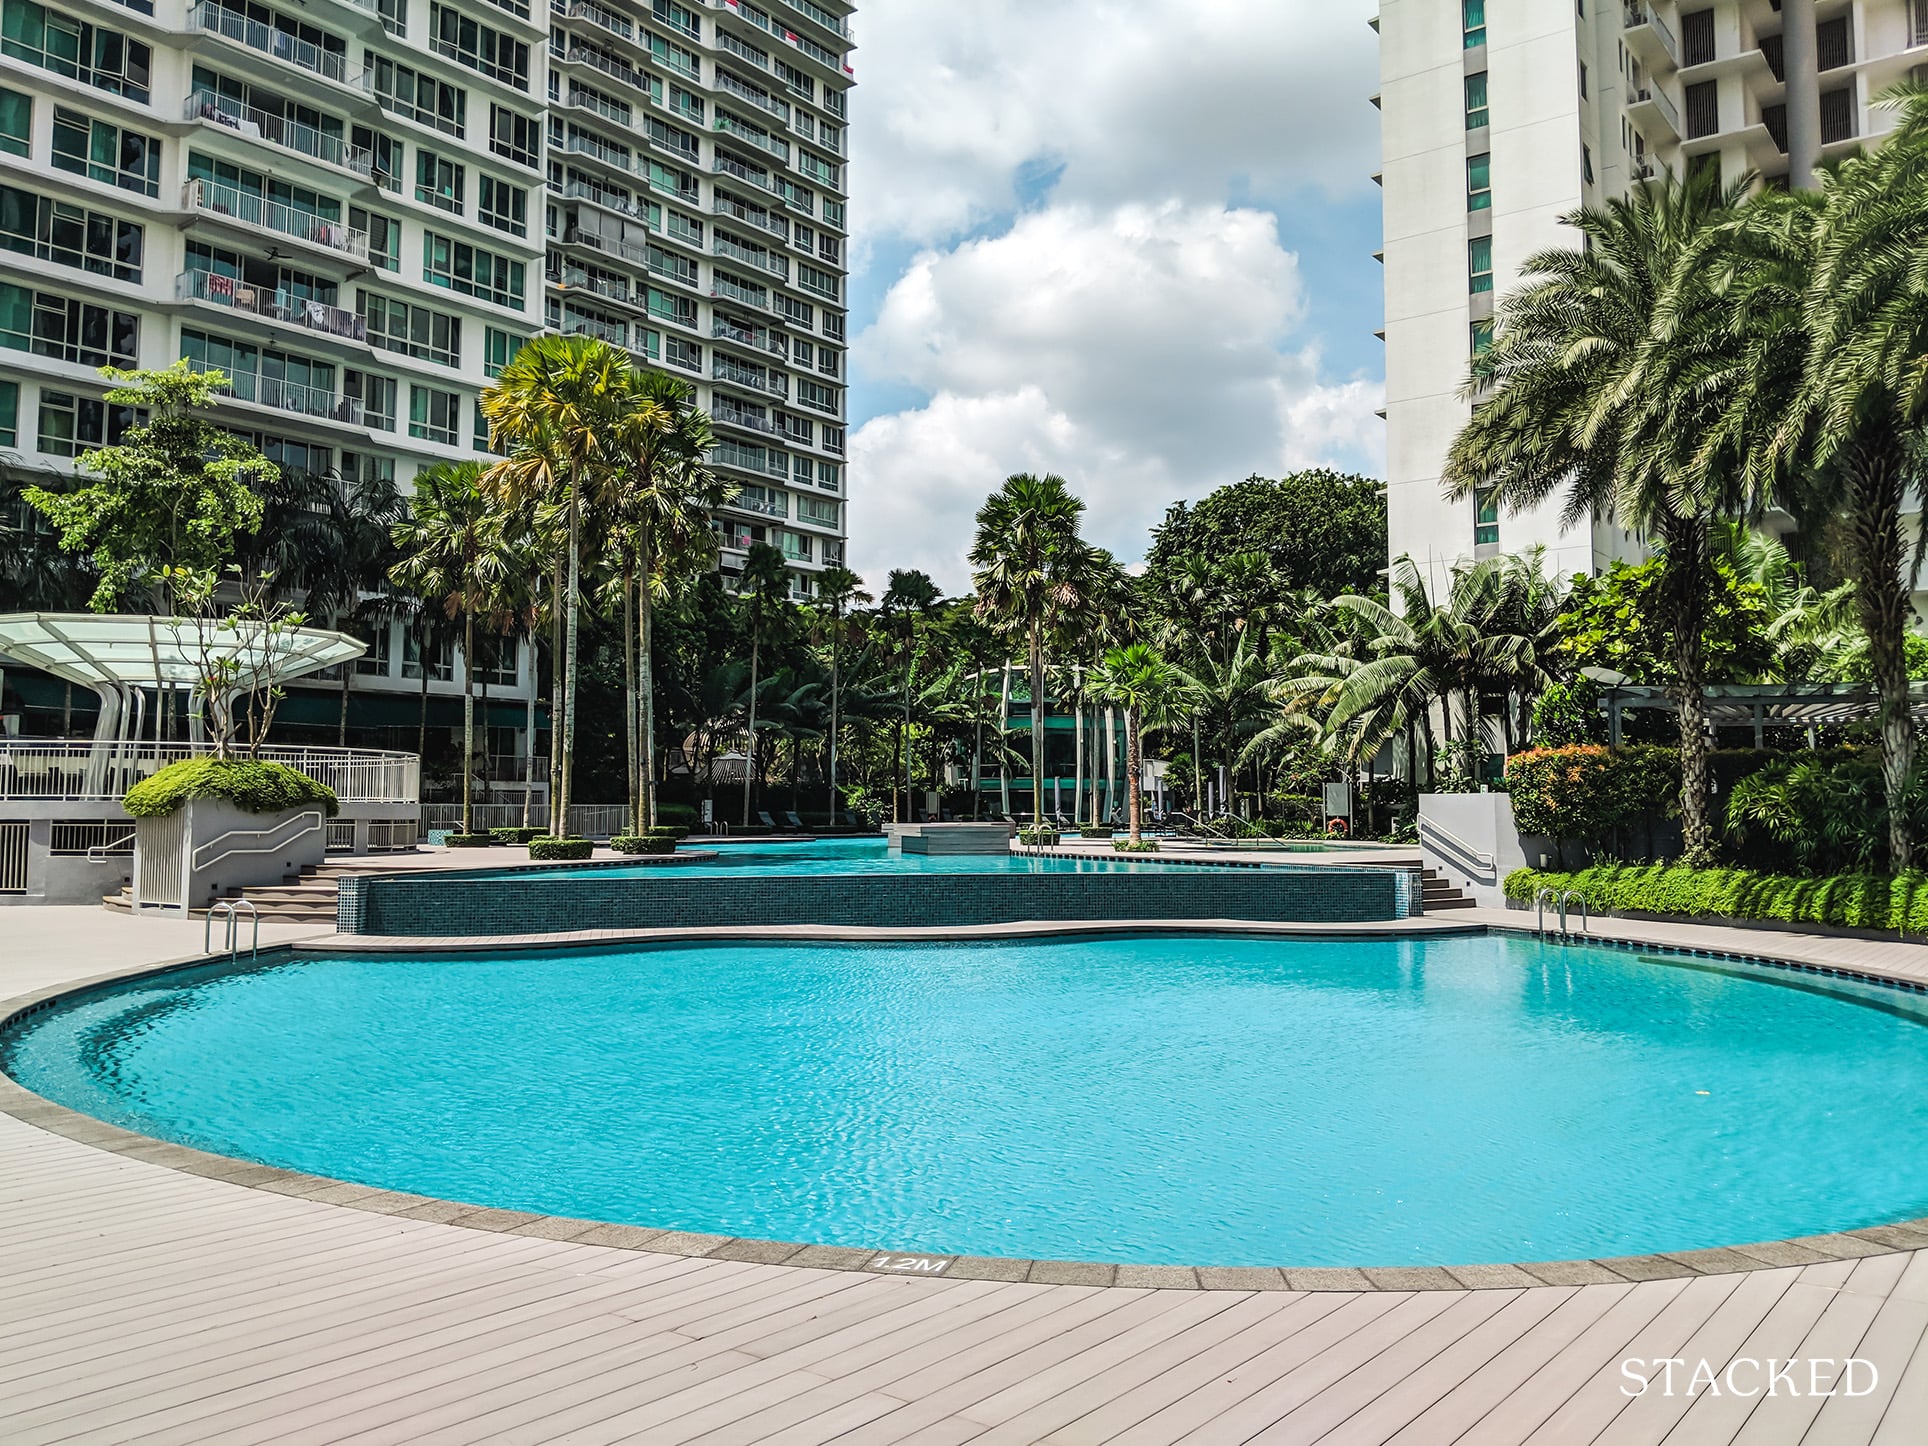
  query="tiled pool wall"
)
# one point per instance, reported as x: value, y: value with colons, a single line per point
x: 425, y: 906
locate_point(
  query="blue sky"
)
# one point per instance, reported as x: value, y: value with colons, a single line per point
x: 1124, y: 240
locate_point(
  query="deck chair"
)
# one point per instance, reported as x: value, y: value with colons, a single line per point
x: 764, y: 818
x: 790, y: 817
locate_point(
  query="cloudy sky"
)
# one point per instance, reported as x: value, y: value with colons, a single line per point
x: 1128, y: 241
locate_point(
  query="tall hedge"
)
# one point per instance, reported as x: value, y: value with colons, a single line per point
x: 1590, y: 793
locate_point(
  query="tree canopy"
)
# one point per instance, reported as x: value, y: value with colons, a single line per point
x: 1319, y: 529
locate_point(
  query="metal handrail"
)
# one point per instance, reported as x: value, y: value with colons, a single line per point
x: 98, y: 854
x: 1586, y: 919
x: 311, y: 821
x: 231, y: 908
x: 1484, y: 860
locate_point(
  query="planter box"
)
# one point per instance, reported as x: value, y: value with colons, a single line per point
x: 949, y: 839
x: 209, y: 848
x: 1473, y: 842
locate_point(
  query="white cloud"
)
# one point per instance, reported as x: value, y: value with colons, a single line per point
x: 1147, y: 353
x: 1198, y: 100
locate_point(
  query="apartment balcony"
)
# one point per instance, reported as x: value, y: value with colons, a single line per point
x: 721, y: 412
x: 270, y: 305
x: 759, y: 460
x: 762, y: 140
x: 817, y: 15
x: 775, y: 343
x: 605, y: 65
x: 601, y: 152
x: 745, y: 53
x: 827, y: 58
x: 1655, y: 115
x: 723, y: 289
x: 294, y: 54
x: 292, y: 136
x: 761, y: 260
x: 256, y: 213
x: 1649, y: 38
x: 773, y: 384
x: 608, y: 200
x: 612, y: 332
x: 277, y: 394
x: 762, y: 220
x: 574, y: 278
x: 768, y: 104
x: 616, y: 115
x: 607, y: 245
x: 618, y: 25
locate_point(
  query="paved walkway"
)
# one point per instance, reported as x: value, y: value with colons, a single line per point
x: 142, y: 1304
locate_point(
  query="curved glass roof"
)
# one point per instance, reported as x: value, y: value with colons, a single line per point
x: 110, y: 650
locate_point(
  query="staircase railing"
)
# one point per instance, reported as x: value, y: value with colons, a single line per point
x: 265, y: 841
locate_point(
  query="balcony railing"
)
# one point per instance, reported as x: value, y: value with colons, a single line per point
x: 84, y: 772
x: 726, y: 370
x: 275, y: 305
x: 752, y: 216
x: 205, y: 105
x: 769, y: 341
x: 574, y: 278
x: 212, y: 19
x: 748, y: 54
x: 611, y: 111
x: 608, y: 19
x: 623, y: 205
x: 732, y: 416
x: 729, y: 453
x: 755, y: 297
x: 1657, y: 98
x: 253, y: 210
x: 608, y: 245
x: 609, y: 331
x: 282, y: 395
x: 614, y: 69
x: 761, y: 139
x: 1643, y: 14
x: 750, y: 96
x: 762, y: 260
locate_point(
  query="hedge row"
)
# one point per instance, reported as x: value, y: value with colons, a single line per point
x: 1851, y: 901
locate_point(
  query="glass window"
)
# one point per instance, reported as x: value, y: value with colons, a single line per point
x: 471, y: 270
x: 67, y: 330
x: 514, y: 136
x: 69, y: 425
x: 77, y: 49
x: 1486, y: 519
x: 1474, y: 14
x: 503, y: 206
x: 438, y: 181
x: 499, y: 349
x: 384, y: 237
x: 70, y: 235
x: 413, y: 331
x: 1480, y: 263
x: 1482, y: 337
x: 1479, y: 183
x: 16, y: 122
x: 433, y: 415
x: 1477, y: 113
x: 9, y: 414
x: 102, y: 151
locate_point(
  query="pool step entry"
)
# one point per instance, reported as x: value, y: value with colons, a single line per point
x: 309, y: 899
x: 1438, y: 893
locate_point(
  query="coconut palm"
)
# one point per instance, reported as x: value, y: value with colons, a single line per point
x: 1031, y: 570
x: 765, y: 591
x: 1139, y: 681
x: 563, y: 411
x: 454, y: 557
x: 838, y: 588
x: 1601, y: 386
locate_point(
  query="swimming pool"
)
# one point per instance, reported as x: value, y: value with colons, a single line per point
x: 820, y: 858
x: 1196, y: 1099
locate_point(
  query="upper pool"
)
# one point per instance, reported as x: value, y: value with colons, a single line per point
x: 820, y: 857
x: 1197, y: 1099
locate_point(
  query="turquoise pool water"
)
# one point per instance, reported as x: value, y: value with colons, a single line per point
x: 851, y: 856
x: 1196, y: 1099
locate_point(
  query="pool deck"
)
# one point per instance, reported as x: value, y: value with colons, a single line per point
x: 144, y: 1304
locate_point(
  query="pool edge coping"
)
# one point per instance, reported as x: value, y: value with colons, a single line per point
x: 20, y: 1103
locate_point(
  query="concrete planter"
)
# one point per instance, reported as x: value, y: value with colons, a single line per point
x: 210, y: 848
x: 949, y: 838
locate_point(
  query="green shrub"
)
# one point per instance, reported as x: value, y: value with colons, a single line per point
x: 517, y: 835
x: 638, y: 844
x: 1567, y: 715
x: 1039, y: 838
x: 1590, y: 793
x: 250, y: 785
x: 1096, y: 830
x: 469, y: 840
x: 1143, y: 846
x: 675, y: 833
x: 560, y: 850
x: 683, y: 814
x: 1851, y: 901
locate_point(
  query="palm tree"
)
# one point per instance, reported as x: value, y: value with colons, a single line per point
x: 453, y: 555
x: 908, y: 598
x: 1031, y: 569
x: 563, y: 410
x: 360, y: 588
x: 838, y: 588
x: 1139, y: 681
x: 764, y: 590
x: 1602, y: 386
x: 661, y: 503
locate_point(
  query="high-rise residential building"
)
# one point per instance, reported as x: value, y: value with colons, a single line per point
x: 359, y: 210
x: 1501, y: 116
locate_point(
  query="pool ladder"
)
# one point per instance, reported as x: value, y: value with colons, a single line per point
x: 1559, y: 900
x: 232, y: 908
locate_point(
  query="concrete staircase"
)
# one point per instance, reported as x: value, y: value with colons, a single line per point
x: 309, y: 898
x: 1438, y: 894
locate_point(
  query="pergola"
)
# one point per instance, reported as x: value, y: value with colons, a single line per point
x: 121, y: 657
x: 1763, y: 705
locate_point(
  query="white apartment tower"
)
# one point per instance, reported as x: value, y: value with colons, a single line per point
x: 360, y: 209
x: 1501, y: 116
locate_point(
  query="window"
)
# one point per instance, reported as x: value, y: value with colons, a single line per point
x: 666, y: 306
x: 1486, y: 516
x: 1477, y: 114
x: 404, y: 91
x: 1837, y: 116
x: 482, y: 48
x: 16, y: 122
x: 1583, y: 80
x: 503, y: 206
x: 70, y: 235
x: 1473, y: 13
x: 499, y: 349
x: 819, y: 510
x: 376, y: 661
x: 515, y: 137
x: 1482, y: 337
x: 412, y: 330
x: 384, y: 237
x: 480, y: 433
x: 677, y: 18
x: 816, y: 280
x: 434, y: 416
x: 9, y: 414
x: 441, y: 667
x: 1703, y: 109
x: 1479, y: 183
x: 438, y: 180
x: 394, y: 16
x: 1586, y: 164
x: 384, y: 152
x: 1834, y: 44
x: 1480, y: 263
x: 77, y: 49
x: 799, y: 313
x: 471, y: 270
x: 833, y: 440
x: 817, y: 395
x: 67, y: 330
x: 1917, y: 22
x: 685, y: 354
x: 363, y: 469
x: 1697, y: 37
x: 377, y: 396
x: 69, y: 425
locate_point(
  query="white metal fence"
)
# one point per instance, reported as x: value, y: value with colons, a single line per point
x: 13, y: 858
x: 83, y: 772
x: 586, y: 820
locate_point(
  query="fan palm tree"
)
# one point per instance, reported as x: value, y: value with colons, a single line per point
x: 1031, y: 569
x: 1137, y: 680
x: 562, y: 410
x: 765, y: 591
x: 1601, y: 385
x: 454, y: 556
x: 838, y: 589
